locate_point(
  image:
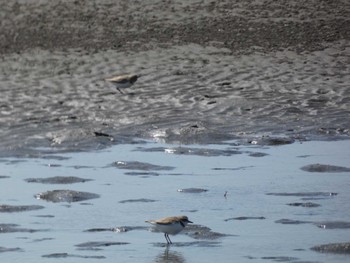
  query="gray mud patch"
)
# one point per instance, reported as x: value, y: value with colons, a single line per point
x: 324, y: 168
x: 291, y: 222
x: 231, y: 169
x: 58, y: 180
x: 43, y: 239
x: 305, y: 194
x: 67, y: 255
x: 134, y: 165
x: 142, y: 174
x: 19, y: 208
x: 281, y: 259
x: 202, y: 232
x: 198, y: 232
x: 6, y: 249
x: 45, y: 216
x: 14, y: 228
x: 99, y: 244
x: 245, y: 218
x: 307, y: 204
x: 338, y: 248
x: 140, y: 200
x: 192, y: 190
x: 334, y: 225
x: 257, y: 154
x: 65, y: 196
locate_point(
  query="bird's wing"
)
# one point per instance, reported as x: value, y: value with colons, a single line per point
x: 119, y: 79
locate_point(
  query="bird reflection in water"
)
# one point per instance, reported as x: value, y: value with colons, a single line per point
x: 169, y: 256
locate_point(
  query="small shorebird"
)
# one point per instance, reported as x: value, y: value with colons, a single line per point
x: 170, y: 225
x: 123, y: 81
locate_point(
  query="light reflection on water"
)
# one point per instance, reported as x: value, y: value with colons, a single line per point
x: 60, y: 227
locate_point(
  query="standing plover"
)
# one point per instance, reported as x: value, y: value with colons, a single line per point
x: 170, y: 225
x: 123, y: 81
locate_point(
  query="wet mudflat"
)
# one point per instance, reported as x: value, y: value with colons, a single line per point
x: 210, y: 71
x: 83, y: 166
x: 244, y: 208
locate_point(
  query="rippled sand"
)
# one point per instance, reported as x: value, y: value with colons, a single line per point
x: 185, y: 93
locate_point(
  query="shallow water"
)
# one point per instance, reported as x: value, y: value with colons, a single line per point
x: 246, y: 225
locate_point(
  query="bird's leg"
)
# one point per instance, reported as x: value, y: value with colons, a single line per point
x: 120, y: 91
x: 168, y: 239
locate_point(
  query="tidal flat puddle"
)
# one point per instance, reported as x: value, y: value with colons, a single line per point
x: 248, y: 203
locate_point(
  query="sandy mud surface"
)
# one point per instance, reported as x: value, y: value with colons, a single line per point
x: 211, y: 71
